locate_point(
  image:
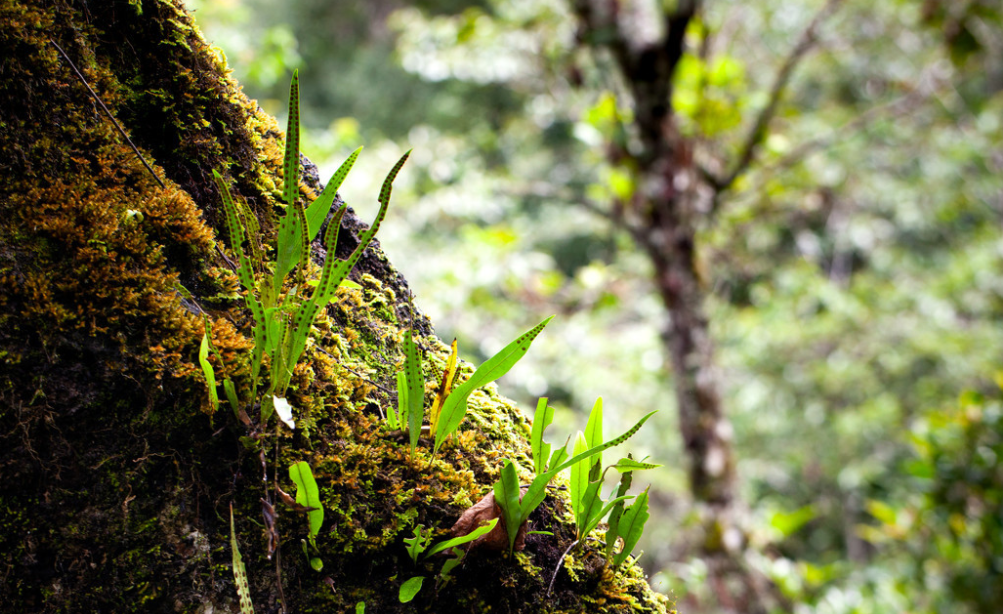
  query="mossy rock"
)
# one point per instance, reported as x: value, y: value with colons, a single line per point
x: 117, y: 474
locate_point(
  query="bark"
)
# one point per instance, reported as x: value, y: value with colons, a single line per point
x: 117, y: 475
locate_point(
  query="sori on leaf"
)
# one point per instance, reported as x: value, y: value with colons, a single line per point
x: 283, y: 302
x: 586, y: 476
x: 449, y: 407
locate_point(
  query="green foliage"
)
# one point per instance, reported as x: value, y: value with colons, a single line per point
x: 208, y: 372
x: 411, y: 387
x: 308, y: 495
x: 462, y: 539
x: 282, y: 319
x: 455, y: 407
x: 540, y: 450
x: 417, y: 544
x: 588, y: 476
x: 629, y: 526
x: 517, y: 507
x: 410, y: 588
x: 415, y: 379
x: 239, y: 573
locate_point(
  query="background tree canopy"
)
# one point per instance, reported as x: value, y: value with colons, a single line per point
x: 846, y: 191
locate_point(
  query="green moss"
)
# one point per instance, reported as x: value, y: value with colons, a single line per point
x: 116, y: 484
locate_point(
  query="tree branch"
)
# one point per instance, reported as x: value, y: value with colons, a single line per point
x: 758, y: 132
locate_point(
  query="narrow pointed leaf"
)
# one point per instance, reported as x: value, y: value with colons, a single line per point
x: 605, y: 446
x: 593, y: 430
x: 291, y: 166
x: 507, y: 492
x: 415, y: 389
x: 307, y: 494
x: 455, y: 407
x: 239, y: 573
x: 625, y: 465
x: 631, y: 526
x: 579, y: 476
x: 319, y: 208
x: 388, y: 183
x: 445, y: 386
x: 207, y: 371
x: 463, y: 539
x: 400, y: 419
x: 541, y: 420
x: 240, y: 247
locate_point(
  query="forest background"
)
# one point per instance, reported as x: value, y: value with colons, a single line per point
x: 848, y: 251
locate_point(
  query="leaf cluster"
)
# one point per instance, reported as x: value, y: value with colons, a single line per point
x: 450, y: 405
x: 586, y: 501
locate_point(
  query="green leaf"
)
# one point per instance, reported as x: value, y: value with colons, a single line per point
x: 389, y: 181
x: 410, y: 588
x: 463, y: 539
x: 789, y: 522
x: 207, y: 371
x: 537, y: 488
x: 631, y: 526
x: 245, y: 273
x: 451, y: 564
x: 415, y: 388
x: 291, y: 166
x: 609, y: 444
x: 614, y: 517
x: 231, y: 395
x: 308, y: 494
x: 319, y: 208
x: 239, y: 573
x: 541, y: 420
x: 593, y: 430
x: 507, y: 492
x: 626, y: 465
x: 417, y: 543
x: 579, y: 476
x: 316, y: 564
x: 455, y: 407
x: 396, y: 419
x: 360, y: 608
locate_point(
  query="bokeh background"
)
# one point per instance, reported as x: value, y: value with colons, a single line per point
x: 853, y: 278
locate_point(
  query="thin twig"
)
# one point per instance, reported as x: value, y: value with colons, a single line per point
x: 758, y: 131
x: 350, y: 370
x: 107, y: 112
x: 558, y: 568
x: 895, y: 108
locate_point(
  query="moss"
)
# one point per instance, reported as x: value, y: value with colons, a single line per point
x: 116, y: 483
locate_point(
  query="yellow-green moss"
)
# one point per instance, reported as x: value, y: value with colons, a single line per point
x: 119, y: 483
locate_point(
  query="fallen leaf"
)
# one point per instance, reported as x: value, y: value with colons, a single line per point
x: 483, y: 511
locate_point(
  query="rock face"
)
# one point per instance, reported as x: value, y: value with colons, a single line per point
x: 116, y: 474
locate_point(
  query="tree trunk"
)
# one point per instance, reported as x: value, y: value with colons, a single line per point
x: 671, y: 202
x: 117, y: 475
